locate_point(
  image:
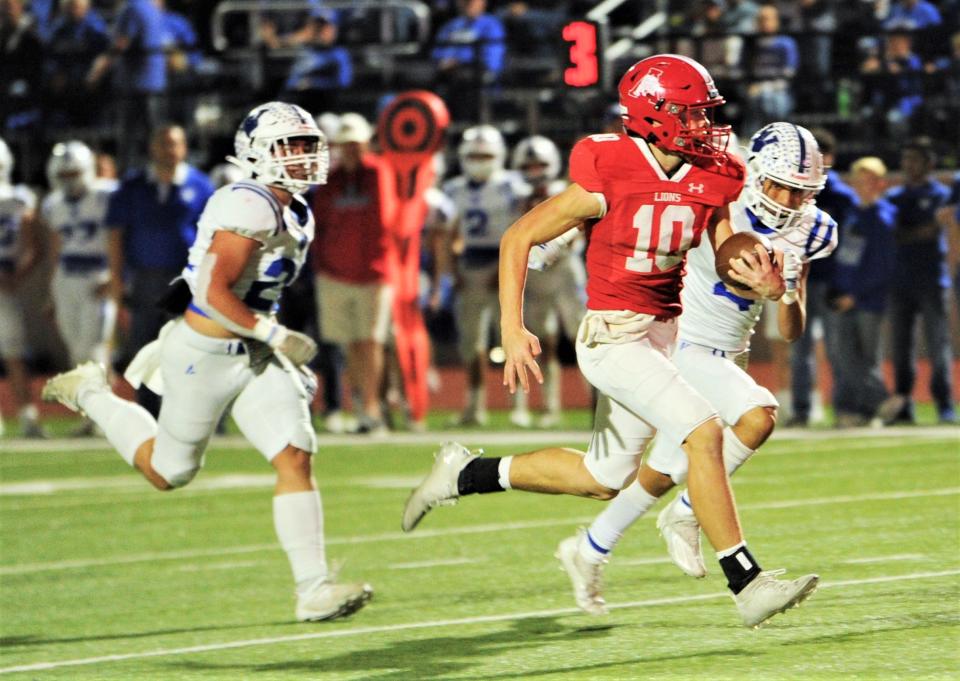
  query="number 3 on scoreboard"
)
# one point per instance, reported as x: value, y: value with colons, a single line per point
x: 664, y: 234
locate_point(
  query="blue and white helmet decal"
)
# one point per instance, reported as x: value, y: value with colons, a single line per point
x: 789, y: 155
x: 262, y: 147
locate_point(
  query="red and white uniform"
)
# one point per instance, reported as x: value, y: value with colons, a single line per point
x: 635, y: 266
x: 637, y: 249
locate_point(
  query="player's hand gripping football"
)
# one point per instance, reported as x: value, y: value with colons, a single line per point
x: 520, y: 347
x: 759, y: 271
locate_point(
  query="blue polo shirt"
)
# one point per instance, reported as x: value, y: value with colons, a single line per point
x: 865, y: 258
x: 145, y: 65
x: 922, y: 263
x: 464, y: 37
x: 158, y: 226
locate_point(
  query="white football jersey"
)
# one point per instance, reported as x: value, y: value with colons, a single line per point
x: 15, y: 200
x: 486, y: 210
x: 250, y: 209
x: 714, y: 316
x: 81, y: 226
x: 441, y: 213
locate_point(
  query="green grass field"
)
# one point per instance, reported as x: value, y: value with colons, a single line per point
x: 102, y: 578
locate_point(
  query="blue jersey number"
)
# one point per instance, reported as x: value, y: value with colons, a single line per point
x: 285, y: 270
x: 743, y: 304
x: 8, y: 231
x: 476, y: 221
x: 85, y: 230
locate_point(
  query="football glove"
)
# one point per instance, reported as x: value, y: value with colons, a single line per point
x: 298, y: 347
x: 791, y: 276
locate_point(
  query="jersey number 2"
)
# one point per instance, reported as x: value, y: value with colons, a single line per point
x: 664, y: 233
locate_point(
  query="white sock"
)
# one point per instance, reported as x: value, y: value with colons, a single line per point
x: 520, y: 400
x: 730, y: 551
x: 503, y: 471
x: 126, y: 424
x: 621, y: 512
x: 298, y: 520
x: 551, y: 387
x: 735, y: 454
x: 29, y: 413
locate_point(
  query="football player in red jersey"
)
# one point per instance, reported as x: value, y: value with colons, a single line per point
x: 648, y: 195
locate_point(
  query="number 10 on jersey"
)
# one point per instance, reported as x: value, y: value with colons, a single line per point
x: 664, y: 233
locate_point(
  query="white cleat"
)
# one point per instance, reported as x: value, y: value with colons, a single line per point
x: 67, y: 387
x: 439, y: 488
x: 329, y: 601
x: 767, y: 596
x: 681, y: 531
x: 586, y: 577
x: 549, y: 420
x: 470, y: 418
x: 521, y: 418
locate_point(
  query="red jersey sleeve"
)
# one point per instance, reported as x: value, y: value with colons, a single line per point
x: 583, y: 166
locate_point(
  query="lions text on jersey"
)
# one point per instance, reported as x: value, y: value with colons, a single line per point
x: 486, y: 210
x: 250, y: 209
x: 714, y: 316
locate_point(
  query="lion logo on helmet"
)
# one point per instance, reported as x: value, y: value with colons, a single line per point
x: 649, y: 85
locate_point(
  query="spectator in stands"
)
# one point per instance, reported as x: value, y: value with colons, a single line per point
x: 863, y: 270
x: 77, y: 36
x: 152, y: 219
x: 719, y: 50
x: 897, y: 89
x: 838, y: 200
x: 740, y: 17
x: 912, y: 15
x: 773, y: 64
x: 21, y: 61
x: 470, y: 51
x: 322, y: 68
x: 350, y: 257
x: 138, y: 47
x: 818, y: 20
x: 922, y: 283
x: 530, y: 31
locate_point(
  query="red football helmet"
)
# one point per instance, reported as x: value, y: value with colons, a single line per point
x: 668, y: 100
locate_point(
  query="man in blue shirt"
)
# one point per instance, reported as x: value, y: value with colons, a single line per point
x: 912, y: 14
x: 469, y: 52
x: 77, y: 36
x: 922, y: 283
x: 773, y: 65
x: 863, y: 270
x: 152, y: 217
x: 139, y: 39
x: 838, y: 199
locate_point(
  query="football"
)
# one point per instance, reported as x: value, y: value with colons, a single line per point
x: 731, y: 248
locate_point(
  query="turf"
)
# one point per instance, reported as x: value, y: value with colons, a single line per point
x: 101, y: 578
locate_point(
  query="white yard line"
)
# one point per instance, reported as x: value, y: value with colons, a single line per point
x: 29, y: 568
x: 894, y: 558
x: 389, y: 628
x: 479, y: 437
x: 206, y: 483
x: 431, y: 563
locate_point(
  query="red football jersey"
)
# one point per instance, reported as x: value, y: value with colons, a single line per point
x: 637, y: 251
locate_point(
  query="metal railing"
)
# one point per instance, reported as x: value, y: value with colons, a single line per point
x: 254, y: 11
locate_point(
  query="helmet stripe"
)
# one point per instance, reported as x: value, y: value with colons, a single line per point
x: 803, y: 148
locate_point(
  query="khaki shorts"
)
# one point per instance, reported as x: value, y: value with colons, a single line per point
x: 353, y: 312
